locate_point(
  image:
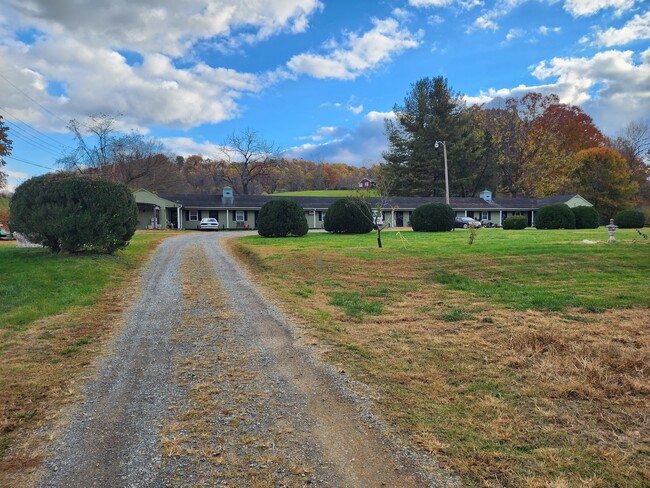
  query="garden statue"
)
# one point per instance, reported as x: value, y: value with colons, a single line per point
x: 611, y: 229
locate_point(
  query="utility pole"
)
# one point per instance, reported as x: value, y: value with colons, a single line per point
x: 444, y: 154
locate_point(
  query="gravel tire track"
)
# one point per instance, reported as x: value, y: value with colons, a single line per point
x: 113, y: 437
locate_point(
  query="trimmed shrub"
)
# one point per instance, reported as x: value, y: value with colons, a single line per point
x: 630, y: 219
x: 556, y: 216
x: 349, y: 215
x: 281, y: 218
x: 433, y: 217
x: 73, y: 213
x: 586, y: 217
x: 515, y: 222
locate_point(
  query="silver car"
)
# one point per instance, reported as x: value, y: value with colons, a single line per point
x: 209, y: 223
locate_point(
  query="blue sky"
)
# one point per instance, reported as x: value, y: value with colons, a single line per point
x: 317, y: 77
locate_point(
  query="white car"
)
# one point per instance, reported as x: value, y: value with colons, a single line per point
x: 209, y: 223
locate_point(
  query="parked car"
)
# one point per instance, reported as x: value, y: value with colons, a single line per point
x: 488, y: 223
x: 4, y: 235
x: 209, y: 223
x: 466, y: 223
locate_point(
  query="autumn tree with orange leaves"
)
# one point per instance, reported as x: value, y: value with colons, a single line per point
x: 602, y: 176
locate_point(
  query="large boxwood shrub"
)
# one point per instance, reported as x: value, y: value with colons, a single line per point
x: 515, y: 222
x: 433, y: 217
x: 281, y: 218
x: 349, y: 215
x: 556, y: 216
x: 74, y: 213
x: 586, y: 217
x: 630, y: 219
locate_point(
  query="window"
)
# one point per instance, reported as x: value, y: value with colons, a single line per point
x: 485, y: 216
x: 194, y: 215
x: 320, y: 215
x: 239, y: 216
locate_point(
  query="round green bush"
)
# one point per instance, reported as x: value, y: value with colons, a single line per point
x: 515, y: 222
x: 586, y: 217
x: 433, y: 217
x: 349, y: 216
x: 73, y: 213
x: 556, y: 216
x: 281, y: 218
x: 630, y: 219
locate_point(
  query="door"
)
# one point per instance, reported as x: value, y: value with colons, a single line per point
x: 399, y: 219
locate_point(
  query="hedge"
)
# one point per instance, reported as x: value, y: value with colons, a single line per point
x: 349, y: 215
x: 515, y: 222
x: 586, y: 217
x: 282, y: 218
x: 630, y: 219
x: 433, y: 217
x: 73, y: 213
x: 556, y: 216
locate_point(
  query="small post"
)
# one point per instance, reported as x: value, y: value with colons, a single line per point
x: 611, y: 230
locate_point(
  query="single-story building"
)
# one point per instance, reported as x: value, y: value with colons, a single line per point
x: 185, y: 211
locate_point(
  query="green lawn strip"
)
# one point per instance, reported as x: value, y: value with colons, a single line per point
x: 39, y: 357
x: 542, y: 270
x: 36, y: 283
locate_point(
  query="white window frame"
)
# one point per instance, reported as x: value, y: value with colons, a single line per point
x: 194, y: 215
x: 484, y: 216
x: 239, y: 216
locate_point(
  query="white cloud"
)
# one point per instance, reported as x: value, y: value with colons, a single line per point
x: 360, y: 146
x: 579, y: 8
x: 544, y: 30
x: 187, y: 146
x: 601, y: 85
x: 514, y: 34
x: 358, y: 54
x: 484, y: 22
x: 15, y: 179
x: 79, y: 47
x: 430, y: 3
x: 356, y: 109
x: 636, y: 29
x: 166, y: 26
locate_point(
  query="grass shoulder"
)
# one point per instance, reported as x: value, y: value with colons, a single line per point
x: 517, y: 361
x: 57, y: 311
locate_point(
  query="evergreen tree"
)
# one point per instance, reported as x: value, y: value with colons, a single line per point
x: 432, y: 112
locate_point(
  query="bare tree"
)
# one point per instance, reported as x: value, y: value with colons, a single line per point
x: 248, y: 156
x: 89, y: 155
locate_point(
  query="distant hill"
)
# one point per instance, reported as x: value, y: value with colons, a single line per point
x: 328, y: 193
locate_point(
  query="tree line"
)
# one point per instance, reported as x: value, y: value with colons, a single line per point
x: 533, y: 146
x: 246, y: 162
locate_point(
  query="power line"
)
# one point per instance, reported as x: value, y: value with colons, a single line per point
x: 23, y: 135
x: 63, y: 146
x: 29, y: 162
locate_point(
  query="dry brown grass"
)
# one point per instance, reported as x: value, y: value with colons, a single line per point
x: 41, y: 371
x: 503, y: 397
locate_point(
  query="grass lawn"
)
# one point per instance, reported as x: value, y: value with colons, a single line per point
x: 328, y: 193
x: 520, y: 360
x: 55, y: 310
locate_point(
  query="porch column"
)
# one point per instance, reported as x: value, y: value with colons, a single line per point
x: 227, y: 219
x: 314, y: 218
x: 179, y: 213
x: 465, y: 213
x: 392, y: 218
x: 500, y: 217
x: 532, y: 218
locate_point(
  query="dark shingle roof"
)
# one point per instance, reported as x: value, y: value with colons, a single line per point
x: 403, y: 203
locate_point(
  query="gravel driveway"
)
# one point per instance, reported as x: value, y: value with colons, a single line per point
x: 204, y: 386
